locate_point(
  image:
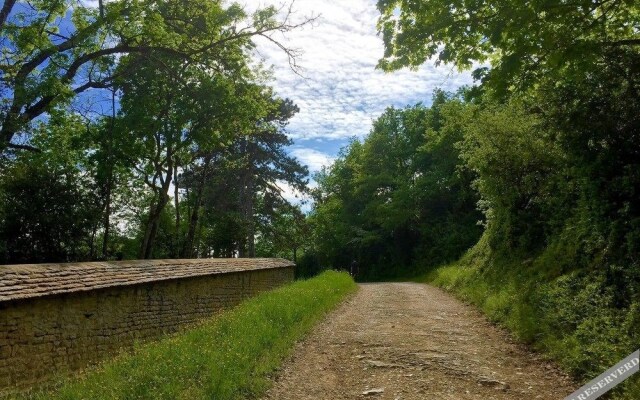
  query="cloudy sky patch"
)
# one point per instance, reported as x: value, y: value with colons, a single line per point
x: 341, y: 92
x: 312, y: 158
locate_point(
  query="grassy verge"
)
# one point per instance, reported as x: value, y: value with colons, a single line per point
x: 570, y: 317
x: 228, y: 357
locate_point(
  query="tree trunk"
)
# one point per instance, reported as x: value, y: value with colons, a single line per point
x: 153, y: 222
x: 187, y: 248
x: 107, y: 207
x: 151, y: 229
x: 92, y: 245
x: 176, y: 201
x: 147, y: 233
x: 248, y: 247
x: 251, y: 231
x: 198, y: 251
x: 107, y: 217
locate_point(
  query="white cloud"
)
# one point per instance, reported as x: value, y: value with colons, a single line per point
x: 342, y: 92
x: 314, y: 159
x: 288, y: 192
x: 295, y: 197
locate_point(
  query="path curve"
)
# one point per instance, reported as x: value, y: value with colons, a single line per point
x: 413, y: 341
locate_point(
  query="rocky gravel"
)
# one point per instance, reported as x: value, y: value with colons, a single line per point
x: 403, y: 341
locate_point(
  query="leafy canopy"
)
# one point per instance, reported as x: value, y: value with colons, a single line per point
x: 522, y: 40
x: 52, y: 51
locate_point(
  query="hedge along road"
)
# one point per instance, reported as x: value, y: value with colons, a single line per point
x: 413, y: 341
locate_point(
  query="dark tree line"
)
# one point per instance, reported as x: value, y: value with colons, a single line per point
x: 399, y: 200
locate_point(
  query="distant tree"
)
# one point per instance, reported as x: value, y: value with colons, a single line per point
x: 49, y: 211
x: 284, y: 233
x: 401, y: 196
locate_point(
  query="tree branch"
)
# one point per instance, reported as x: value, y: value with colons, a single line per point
x: 15, y: 119
x: 624, y: 42
x: 24, y: 147
x: 6, y: 9
x: 52, y: 33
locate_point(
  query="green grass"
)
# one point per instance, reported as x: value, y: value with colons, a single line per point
x: 230, y: 356
x: 570, y: 317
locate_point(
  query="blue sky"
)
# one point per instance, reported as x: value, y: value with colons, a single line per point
x: 341, y: 92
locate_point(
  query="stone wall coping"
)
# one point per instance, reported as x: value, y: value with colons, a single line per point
x: 27, y: 281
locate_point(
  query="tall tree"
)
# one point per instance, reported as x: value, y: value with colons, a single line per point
x: 171, y: 108
x: 234, y: 116
x: 264, y: 162
x: 240, y: 190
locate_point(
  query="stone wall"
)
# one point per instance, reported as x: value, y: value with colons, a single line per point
x: 57, y: 318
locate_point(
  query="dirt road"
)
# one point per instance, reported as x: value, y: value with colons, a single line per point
x: 412, y: 341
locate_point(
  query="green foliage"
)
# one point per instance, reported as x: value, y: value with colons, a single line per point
x: 523, y: 41
x: 401, y: 197
x: 597, y: 116
x: 43, y: 69
x: 573, y: 317
x: 519, y: 173
x: 47, y: 215
x: 188, y: 110
x: 48, y: 209
x: 230, y: 356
